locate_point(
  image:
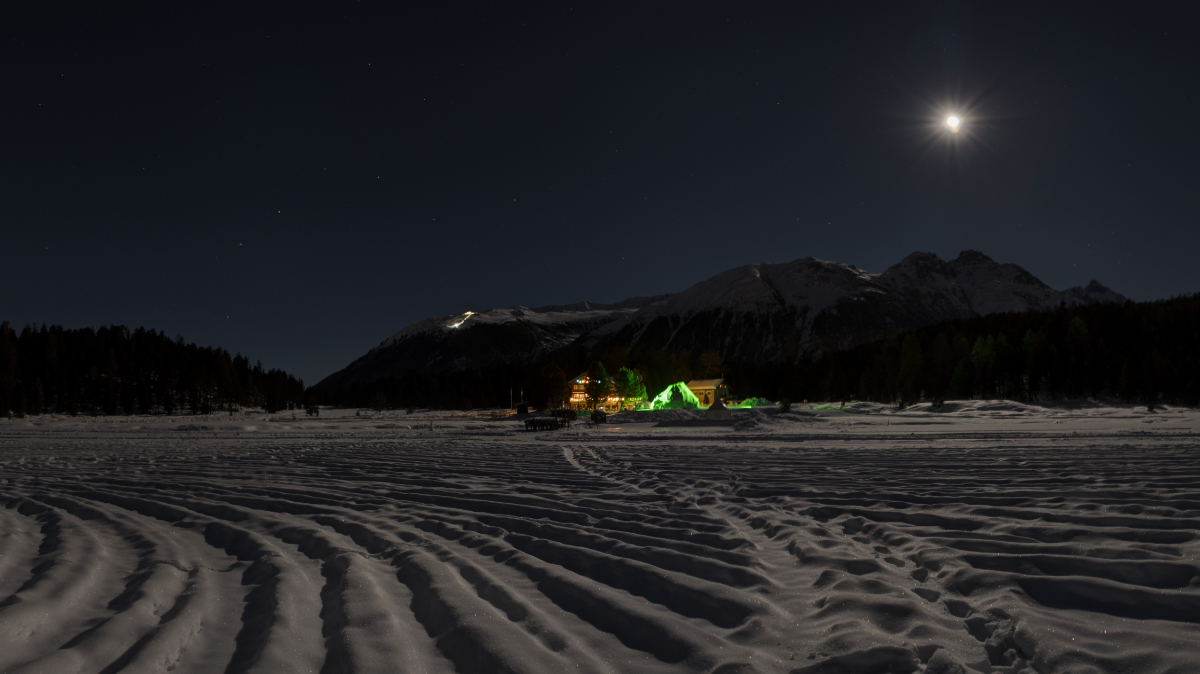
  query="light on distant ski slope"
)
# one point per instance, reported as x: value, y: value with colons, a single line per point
x: 464, y: 319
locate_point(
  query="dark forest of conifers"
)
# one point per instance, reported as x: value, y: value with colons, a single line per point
x: 114, y: 371
x: 1144, y: 352
x: 1147, y: 352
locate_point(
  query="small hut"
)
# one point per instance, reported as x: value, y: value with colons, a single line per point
x: 717, y: 410
x: 708, y: 390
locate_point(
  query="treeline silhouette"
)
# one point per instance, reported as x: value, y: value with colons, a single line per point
x: 1135, y: 352
x: 1147, y: 352
x: 114, y: 371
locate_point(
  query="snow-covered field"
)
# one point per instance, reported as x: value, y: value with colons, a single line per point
x: 987, y: 536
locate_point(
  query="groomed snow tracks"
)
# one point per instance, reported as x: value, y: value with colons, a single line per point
x: 303, y: 553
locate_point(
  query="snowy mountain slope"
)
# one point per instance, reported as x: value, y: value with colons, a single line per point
x: 474, y: 339
x: 1093, y: 293
x: 755, y: 312
x: 780, y: 312
x: 758, y: 312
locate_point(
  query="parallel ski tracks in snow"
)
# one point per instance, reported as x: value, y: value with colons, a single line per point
x: 373, y: 554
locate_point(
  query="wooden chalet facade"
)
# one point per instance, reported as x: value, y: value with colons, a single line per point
x: 708, y: 390
x: 579, y: 398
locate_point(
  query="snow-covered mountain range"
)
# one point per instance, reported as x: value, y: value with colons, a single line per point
x: 475, y: 339
x: 758, y: 312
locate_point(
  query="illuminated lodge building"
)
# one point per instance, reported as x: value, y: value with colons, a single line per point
x: 707, y: 391
x: 579, y: 399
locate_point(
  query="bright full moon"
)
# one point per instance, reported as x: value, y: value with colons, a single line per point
x: 953, y: 122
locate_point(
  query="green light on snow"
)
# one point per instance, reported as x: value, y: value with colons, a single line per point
x: 662, y: 399
x: 750, y: 403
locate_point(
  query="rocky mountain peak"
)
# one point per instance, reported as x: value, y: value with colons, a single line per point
x: 919, y: 266
x: 1094, y: 292
x: 971, y: 258
x: 767, y: 312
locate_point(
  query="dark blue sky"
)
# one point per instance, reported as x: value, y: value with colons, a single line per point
x: 299, y: 183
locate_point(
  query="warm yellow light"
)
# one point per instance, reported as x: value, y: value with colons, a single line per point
x: 953, y: 123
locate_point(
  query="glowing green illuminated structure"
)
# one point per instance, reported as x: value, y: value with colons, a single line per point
x: 751, y: 403
x: 674, y: 397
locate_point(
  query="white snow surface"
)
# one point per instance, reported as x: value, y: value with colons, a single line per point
x: 984, y: 536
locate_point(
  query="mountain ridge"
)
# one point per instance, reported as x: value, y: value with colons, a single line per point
x: 762, y: 312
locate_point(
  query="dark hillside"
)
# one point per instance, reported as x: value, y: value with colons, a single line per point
x: 1137, y: 352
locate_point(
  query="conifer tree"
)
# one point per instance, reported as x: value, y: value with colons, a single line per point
x: 597, y: 389
x: 912, y: 365
x: 552, y: 386
x: 73, y: 399
x: 960, y: 381
x: 1151, y: 379
x: 629, y: 385
x: 38, y: 403
x: 942, y: 366
x: 19, y: 401
x: 681, y: 367
x: 111, y: 384
x: 381, y: 402
x: 709, y: 364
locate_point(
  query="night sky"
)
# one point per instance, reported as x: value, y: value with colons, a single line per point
x: 299, y: 182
